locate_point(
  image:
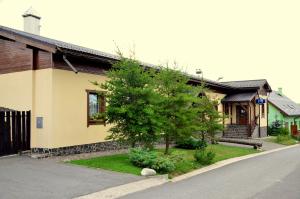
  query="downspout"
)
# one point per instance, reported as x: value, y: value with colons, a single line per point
x: 69, y: 64
x: 67, y: 61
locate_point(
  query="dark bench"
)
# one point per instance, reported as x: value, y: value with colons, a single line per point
x: 255, y: 143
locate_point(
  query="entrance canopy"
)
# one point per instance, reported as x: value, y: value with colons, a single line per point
x: 239, y: 97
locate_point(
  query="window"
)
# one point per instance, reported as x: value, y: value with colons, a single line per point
x: 263, y: 110
x: 95, y: 107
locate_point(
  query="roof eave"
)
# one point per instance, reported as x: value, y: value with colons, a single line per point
x: 28, y: 41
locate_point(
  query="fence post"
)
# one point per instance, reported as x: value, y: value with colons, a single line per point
x: 28, y: 129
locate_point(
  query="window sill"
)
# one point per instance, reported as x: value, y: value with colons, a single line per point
x: 96, y: 122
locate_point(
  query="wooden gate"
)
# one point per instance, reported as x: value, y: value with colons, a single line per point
x: 294, y: 130
x: 14, y: 132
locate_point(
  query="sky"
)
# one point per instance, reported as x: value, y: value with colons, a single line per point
x: 233, y: 39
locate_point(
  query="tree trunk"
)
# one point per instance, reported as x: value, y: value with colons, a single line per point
x: 167, y: 139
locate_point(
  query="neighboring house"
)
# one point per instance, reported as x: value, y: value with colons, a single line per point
x: 283, y: 110
x: 52, y: 78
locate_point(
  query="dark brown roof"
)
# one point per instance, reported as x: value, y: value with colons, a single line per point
x: 59, y: 44
x: 239, y: 97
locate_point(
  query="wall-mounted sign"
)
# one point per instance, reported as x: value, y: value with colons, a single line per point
x: 260, y: 101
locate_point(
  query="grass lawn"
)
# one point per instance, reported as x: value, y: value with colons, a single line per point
x: 121, y: 163
x: 284, y: 141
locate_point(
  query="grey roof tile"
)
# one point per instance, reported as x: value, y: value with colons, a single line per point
x: 284, y: 104
x: 246, y: 83
x: 80, y: 49
x: 239, y: 97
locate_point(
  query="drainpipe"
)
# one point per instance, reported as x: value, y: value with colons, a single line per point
x: 69, y: 64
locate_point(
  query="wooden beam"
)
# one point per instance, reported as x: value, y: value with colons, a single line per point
x: 230, y: 113
x: 31, y: 42
x: 223, y: 118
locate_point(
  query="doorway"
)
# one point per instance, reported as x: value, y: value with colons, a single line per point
x: 241, y: 115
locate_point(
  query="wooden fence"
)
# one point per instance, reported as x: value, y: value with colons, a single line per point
x: 14, y: 132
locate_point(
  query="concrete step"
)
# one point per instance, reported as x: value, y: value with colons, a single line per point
x: 236, y: 131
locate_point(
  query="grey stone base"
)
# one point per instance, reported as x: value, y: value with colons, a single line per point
x: 85, y: 148
x: 263, y: 131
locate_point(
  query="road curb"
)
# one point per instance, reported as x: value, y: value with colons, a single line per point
x: 122, y: 190
x: 226, y: 162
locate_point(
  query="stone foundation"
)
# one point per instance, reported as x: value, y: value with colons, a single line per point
x: 85, y: 148
x: 263, y: 131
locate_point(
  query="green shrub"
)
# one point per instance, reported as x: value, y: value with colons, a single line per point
x: 163, y: 165
x: 282, y: 138
x: 296, y: 137
x: 275, y: 128
x: 283, y: 131
x: 204, y: 157
x: 191, y: 143
x: 141, y: 157
x: 144, y: 158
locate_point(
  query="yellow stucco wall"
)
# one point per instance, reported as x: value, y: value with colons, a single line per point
x: 70, y: 109
x: 19, y: 92
x: 42, y: 107
x: 60, y: 97
x: 16, y: 90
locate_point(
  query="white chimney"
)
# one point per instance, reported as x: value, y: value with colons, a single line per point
x: 32, y: 21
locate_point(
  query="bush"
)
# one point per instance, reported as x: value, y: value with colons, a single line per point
x: 141, y: 157
x: 191, y: 143
x: 282, y: 138
x: 204, y: 157
x: 163, y: 165
x: 275, y: 127
x: 149, y: 159
x: 283, y: 131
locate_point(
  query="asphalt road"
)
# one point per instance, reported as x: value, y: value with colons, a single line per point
x: 26, y: 178
x: 272, y: 176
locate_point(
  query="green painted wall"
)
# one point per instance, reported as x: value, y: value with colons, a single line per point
x: 274, y: 114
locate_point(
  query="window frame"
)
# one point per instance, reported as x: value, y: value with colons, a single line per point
x: 102, y: 107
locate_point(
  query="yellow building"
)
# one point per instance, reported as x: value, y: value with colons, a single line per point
x: 52, y: 79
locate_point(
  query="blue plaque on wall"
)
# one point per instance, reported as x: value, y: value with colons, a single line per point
x: 260, y: 101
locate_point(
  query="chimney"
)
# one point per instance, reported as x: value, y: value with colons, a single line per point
x: 280, y: 91
x: 32, y: 21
